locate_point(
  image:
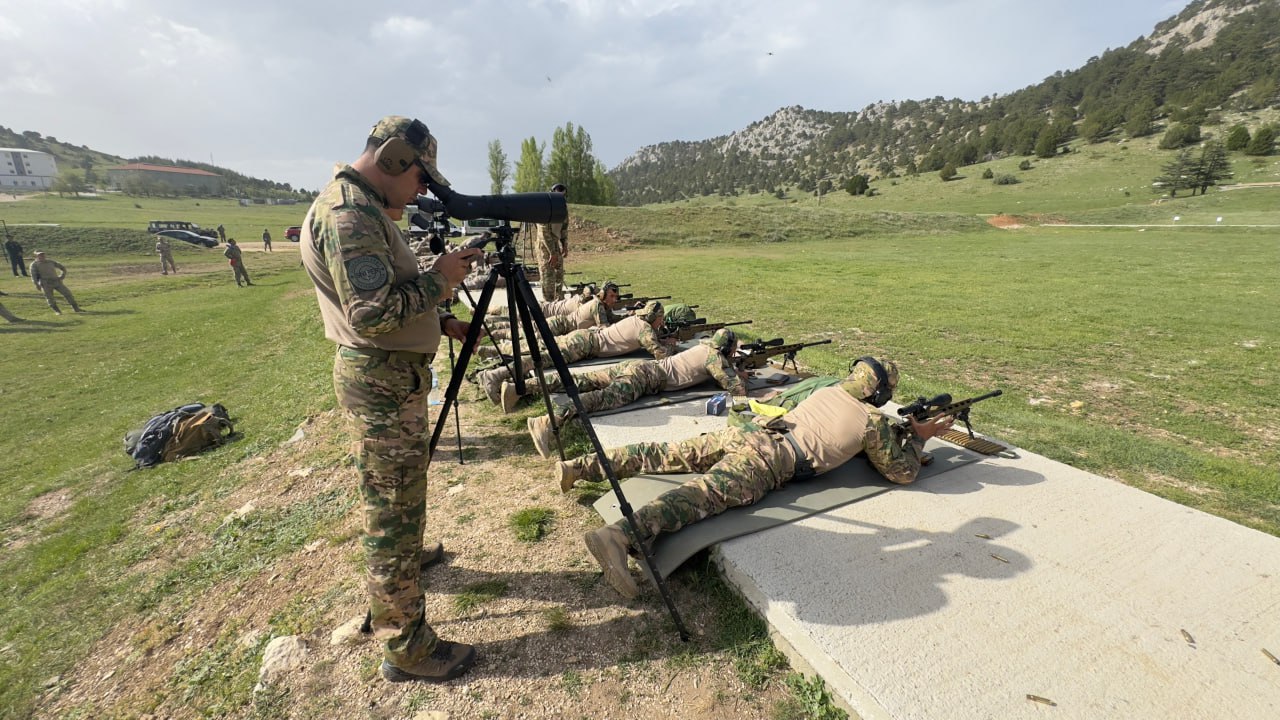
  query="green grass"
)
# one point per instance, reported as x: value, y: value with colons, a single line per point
x: 532, y: 524
x: 476, y: 594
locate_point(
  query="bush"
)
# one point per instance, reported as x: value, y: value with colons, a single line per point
x: 1180, y: 135
x: 947, y: 172
x: 1007, y: 180
x: 987, y: 174
x: 1263, y: 142
x: 1024, y: 165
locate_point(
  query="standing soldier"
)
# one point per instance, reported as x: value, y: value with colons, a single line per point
x: 233, y: 254
x: 266, y: 240
x: 166, y: 255
x: 47, y: 275
x: 13, y: 249
x: 383, y: 313
x: 222, y: 234
x: 551, y: 243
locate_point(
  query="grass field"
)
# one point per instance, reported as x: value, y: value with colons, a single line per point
x: 1149, y: 356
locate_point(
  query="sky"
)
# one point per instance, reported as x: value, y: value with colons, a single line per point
x: 284, y: 90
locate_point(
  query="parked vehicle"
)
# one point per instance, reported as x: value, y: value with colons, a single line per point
x: 156, y: 226
x: 188, y: 236
x: 479, y: 226
x: 293, y: 233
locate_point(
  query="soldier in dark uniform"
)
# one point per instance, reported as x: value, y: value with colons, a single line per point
x: 382, y: 311
x: 13, y: 249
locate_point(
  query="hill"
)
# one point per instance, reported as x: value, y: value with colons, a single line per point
x: 89, y: 164
x: 1213, y: 57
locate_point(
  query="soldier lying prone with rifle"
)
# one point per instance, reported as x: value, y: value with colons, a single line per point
x: 738, y: 466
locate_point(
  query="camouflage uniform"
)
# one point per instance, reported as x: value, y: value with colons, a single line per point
x: 738, y: 467
x: 550, y: 243
x: 382, y: 311
x: 266, y: 240
x: 13, y: 249
x: 166, y: 256
x: 627, y: 382
x: 236, y: 258
x: 47, y: 276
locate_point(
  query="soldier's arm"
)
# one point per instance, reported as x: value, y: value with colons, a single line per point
x: 358, y: 257
x: 62, y: 270
x: 896, y: 454
x: 653, y: 345
x: 726, y: 378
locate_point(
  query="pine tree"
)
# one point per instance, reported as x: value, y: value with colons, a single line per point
x: 1213, y: 165
x: 529, y: 167
x: 1178, y: 174
x: 1238, y: 138
x: 1263, y: 142
x: 499, y: 173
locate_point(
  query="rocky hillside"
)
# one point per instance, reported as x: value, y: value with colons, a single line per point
x: 1214, y: 55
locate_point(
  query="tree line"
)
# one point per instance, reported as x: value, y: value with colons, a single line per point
x: 570, y: 162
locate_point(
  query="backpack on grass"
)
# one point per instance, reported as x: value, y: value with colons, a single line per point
x: 184, y: 430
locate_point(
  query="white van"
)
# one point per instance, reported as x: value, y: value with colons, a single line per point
x: 479, y: 225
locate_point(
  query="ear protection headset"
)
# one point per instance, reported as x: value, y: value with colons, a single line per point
x: 882, y: 392
x: 397, y: 154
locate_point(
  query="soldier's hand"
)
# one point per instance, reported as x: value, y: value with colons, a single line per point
x: 931, y: 427
x: 458, y: 329
x: 456, y: 265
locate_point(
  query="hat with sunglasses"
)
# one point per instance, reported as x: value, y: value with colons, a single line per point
x: 406, y: 141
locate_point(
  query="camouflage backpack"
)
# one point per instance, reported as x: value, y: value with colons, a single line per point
x: 677, y: 315
x: 184, y: 430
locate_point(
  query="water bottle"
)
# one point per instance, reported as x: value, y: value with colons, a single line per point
x: 435, y: 387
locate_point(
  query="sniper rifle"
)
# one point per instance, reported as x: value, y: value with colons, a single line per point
x: 687, y: 330
x: 940, y: 405
x: 756, y: 354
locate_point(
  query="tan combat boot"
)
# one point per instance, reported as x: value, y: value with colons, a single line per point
x: 608, y: 545
x: 491, y: 381
x: 447, y: 661
x: 509, y: 397
x: 540, y: 431
x: 568, y: 473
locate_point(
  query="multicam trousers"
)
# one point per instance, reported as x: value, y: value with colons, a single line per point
x: 387, y: 404
x: 559, y: 324
x: 550, y: 265
x: 611, y: 387
x: 737, y: 468
x: 166, y: 264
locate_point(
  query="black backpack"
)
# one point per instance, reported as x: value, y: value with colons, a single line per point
x: 184, y: 430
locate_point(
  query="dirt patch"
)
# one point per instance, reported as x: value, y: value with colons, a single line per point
x: 1014, y: 222
x: 555, y: 643
x: 38, y: 513
x: 1005, y: 222
x: 586, y: 236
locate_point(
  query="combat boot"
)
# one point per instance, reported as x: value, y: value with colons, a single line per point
x: 447, y: 661
x: 569, y: 473
x: 608, y: 545
x: 509, y: 397
x: 491, y: 381
x: 540, y: 431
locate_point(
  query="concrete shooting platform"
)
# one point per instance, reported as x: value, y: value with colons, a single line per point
x: 1011, y: 588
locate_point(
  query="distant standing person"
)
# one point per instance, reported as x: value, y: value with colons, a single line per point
x: 166, y: 255
x: 47, y: 275
x: 13, y: 249
x: 551, y: 243
x: 222, y: 234
x: 266, y: 240
x: 233, y: 254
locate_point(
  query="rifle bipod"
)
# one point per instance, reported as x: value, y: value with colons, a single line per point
x: 526, y: 315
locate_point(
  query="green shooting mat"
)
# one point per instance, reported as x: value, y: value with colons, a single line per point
x: 853, y: 481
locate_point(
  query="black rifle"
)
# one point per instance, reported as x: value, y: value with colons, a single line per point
x: 756, y: 354
x: 687, y: 330
x: 941, y: 405
x: 636, y: 303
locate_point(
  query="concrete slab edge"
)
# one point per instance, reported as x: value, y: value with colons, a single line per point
x: 792, y: 641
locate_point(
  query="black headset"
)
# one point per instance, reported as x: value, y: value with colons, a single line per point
x: 397, y: 154
x: 882, y: 392
x: 560, y: 188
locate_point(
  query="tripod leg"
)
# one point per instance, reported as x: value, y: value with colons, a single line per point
x: 535, y: 355
x: 457, y: 413
x: 464, y: 358
x: 521, y: 285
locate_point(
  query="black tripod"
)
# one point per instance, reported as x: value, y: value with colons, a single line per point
x: 526, y: 313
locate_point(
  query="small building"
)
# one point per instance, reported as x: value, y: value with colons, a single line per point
x: 169, y: 177
x: 22, y: 168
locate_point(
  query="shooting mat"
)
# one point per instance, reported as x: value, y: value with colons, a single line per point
x: 697, y: 392
x: 853, y: 481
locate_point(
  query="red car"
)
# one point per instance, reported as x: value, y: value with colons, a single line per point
x: 293, y: 234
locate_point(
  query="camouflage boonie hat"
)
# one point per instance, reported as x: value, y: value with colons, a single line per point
x: 679, y: 313
x: 398, y: 126
x: 862, y: 382
x: 650, y: 311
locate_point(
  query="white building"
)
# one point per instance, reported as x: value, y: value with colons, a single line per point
x: 24, y: 168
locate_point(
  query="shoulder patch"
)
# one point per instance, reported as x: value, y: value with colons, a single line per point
x: 366, y: 273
